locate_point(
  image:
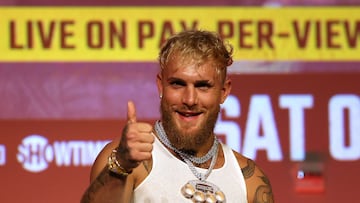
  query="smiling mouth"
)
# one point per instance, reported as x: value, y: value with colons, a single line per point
x: 188, y: 114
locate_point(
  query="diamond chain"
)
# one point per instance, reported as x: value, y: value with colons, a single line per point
x: 198, y: 160
x: 213, y: 152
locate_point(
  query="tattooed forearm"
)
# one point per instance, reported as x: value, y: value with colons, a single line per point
x: 248, y: 170
x: 264, y: 193
x: 95, y: 185
x: 105, y: 178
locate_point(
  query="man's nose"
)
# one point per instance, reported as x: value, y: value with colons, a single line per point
x: 190, y: 96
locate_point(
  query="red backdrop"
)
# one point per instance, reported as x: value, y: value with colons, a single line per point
x: 298, y: 120
x: 53, y: 121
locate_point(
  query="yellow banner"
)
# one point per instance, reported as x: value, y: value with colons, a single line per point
x: 136, y: 33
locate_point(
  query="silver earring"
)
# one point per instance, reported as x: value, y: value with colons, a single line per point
x: 160, y: 96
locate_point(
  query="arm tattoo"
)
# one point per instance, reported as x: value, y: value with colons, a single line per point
x: 103, y: 179
x: 264, y: 193
x: 248, y: 170
x: 95, y: 185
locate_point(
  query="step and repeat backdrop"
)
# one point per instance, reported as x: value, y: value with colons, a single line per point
x: 66, y: 74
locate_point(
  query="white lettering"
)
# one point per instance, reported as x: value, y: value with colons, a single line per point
x: 260, y: 116
x: 62, y: 151
x: 77, y: 152
x: 2, y: 155
x: 32, y: 153
x: 340, y: 106
x: 77, y: 148
x: 92, y: 149
x: 296, y: 105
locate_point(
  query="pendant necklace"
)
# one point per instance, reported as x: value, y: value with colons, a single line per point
x: 198, y: 190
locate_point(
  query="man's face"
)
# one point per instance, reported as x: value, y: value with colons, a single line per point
x: 191, y: 102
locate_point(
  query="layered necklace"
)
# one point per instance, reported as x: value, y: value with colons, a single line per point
x: 198, y: 190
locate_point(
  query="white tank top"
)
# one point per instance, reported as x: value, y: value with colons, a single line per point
x: 169, y: 175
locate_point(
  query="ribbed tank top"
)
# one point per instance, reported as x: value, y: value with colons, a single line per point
x: 169, y: 175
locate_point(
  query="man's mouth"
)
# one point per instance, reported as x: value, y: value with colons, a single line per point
x: 188, y: 114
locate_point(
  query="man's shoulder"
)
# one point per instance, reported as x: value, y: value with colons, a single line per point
x: 257, y: 183
x: 242, y: 160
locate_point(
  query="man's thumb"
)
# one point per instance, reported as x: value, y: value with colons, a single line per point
x: 131, y: 113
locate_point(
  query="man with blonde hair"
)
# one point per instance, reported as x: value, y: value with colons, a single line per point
x: 179, y: 158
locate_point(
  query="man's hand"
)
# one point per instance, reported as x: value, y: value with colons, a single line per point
x: 136, y: 143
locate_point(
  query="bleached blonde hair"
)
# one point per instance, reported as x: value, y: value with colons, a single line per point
x: 200, y: 47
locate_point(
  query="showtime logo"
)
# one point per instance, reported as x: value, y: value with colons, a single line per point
x: 35, y: 153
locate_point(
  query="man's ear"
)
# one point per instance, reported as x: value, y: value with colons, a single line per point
x: 226, y: 90
x: 159, y: 84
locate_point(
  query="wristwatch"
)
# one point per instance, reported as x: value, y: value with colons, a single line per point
x: 115, y: 167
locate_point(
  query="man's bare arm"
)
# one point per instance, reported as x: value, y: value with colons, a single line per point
x: 107, y: 187
x: 263, y: 192
x: 133, y: 148
x: 258, y: 185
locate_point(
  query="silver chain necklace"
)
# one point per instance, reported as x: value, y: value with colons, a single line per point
x: 198, y: 175
x: 198, y: 160
x: 197, y: 190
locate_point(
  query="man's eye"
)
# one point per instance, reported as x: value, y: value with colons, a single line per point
x: 203, y: 86
x: 177, y: 84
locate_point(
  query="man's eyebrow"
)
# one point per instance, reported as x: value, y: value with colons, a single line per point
x: 203, y: 82
x: 174, y: 79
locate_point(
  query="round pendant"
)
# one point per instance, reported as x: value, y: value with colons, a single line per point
x: 198, y: 197
x: 219, y: 196
x: 188, y: 190
x: 203, y: 191
x: 210, y: 198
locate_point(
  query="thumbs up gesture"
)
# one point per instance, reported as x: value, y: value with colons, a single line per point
x: 136, y: 143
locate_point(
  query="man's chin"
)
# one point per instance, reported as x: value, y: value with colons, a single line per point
x: 189, y: 129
